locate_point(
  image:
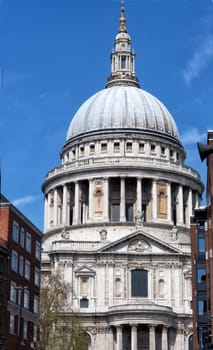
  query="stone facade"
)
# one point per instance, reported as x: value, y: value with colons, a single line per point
x: 117, y: 216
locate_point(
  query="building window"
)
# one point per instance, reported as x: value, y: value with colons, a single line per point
x: 141, y: 147
x: 13, y: 292
x: 92, y: 148
x: 201, y: 245
x: 37, y: 277
x: 22, y: 237
x: 115, y: 212
x: 129, y: 146
x: 38, y: 250
x: 12, y: 324
x: 129, y: 211
x: 73, y: 153
x: 116, y: 146
x: 123, y: 62
x: 14, y: 261
x: 81, y: 151
x: 35, y: 304
x: 201, y: 275
x: 152, y: 148
x: 21, y: 266
x: 27, y: 270
x: 25, y: 329
x: 26, y: 299
x: 84, y: 303
x: 163, y: 150
x: 171, y: 153
x: 15, y: 231
x: 84, y: 285
x: 35, y: 333
x: 139, y: 283
x: 202, y: 307
x: 28, y: 242
x: 104, y: 147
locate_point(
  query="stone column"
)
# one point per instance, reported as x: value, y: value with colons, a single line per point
x: 119, y: 338
x: 154, y: 200
x: 164, y: 338
x: 134, y: 345
x: 122, y: 200
x: 197, y: 201
x: 77, y: 203
x: 90, y: 201
x: 189, y: 204
x: 110, y: 339
x: 64, y: 210
x: 139, y: 195
x: 169, y: 202
x: 55, y: 212
x: 106, y: 199
x: 46, y: 212
x: 180, y: 205
x: 68, y: 205
x: 151, y: 337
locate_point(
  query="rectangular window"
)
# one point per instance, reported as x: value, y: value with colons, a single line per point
x: 129, y: 146
x: 15, y: 231
x: 116, y: 146
x: 38, y: 250
x: 36, y: 304
x: 27, y: 270
x: 163, y: 150
x: 13, y: 292
x: 202, y: 307
x: 26, y: 299
x: 37, y: 277
x: 123, y: 62
x: 103, y: 147
x: 14, y: 261
x: 141, y: 147
x: 201, y: 245
x: 25, y: 329
x: 201, y: 275
x: 12, y: 324
x: 81, y: 150
x: 28, y: 242
x: 21, y: 266
x: 152, y: 148
x: 22, y: 237
x: 92, y: 148
x: 139, y: 283
x: 129, y: 211
x: 115, y: 212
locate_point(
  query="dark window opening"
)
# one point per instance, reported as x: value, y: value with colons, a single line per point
x: 84, y: 303
x: 139, y: 283
x: 123, y: 62
x: 129, y: 212
x: 115, y: 212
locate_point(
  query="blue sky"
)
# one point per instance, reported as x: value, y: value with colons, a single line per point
x: 55, y: 54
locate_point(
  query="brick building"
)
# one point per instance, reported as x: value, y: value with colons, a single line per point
x: 21, y: 243
x: 202, y: 260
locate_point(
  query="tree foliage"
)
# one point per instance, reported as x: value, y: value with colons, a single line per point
x: 59, y: 329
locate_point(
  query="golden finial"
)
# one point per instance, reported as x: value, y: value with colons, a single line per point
x: 122, y: 19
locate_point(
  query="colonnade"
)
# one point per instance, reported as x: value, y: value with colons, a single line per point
x: 74, y: 204
x: 136, y: 342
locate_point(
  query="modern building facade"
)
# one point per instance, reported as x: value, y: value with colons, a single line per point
x: 22, y: 243
x: 202, y: 260
x: 117, y: 216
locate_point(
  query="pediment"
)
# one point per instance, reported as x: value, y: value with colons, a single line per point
x: 84, y: 271
x: 140, y: 242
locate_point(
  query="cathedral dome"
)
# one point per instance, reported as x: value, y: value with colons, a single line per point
x: 122, y: 107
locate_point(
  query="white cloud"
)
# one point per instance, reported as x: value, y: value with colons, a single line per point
x: 200, y: 59
x: 24, y: 200
x: 192, y: 136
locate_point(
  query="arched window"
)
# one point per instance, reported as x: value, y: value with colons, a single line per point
x: 84, y: 303
x: 139, y: 283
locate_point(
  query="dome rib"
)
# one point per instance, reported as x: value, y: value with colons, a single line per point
x: 122, y: 107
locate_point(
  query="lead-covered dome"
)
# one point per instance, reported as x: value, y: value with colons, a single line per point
x: 122, y: 107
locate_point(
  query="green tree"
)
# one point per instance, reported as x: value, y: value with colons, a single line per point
x: 59, y: 329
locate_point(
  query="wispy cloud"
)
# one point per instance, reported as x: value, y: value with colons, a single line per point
x: 192, y: 136
x: 202, y: 56
x: 199, y: 61
x: 24, y: 200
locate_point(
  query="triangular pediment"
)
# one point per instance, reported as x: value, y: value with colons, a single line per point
x: 140, y: 242
x: 84, y: 271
